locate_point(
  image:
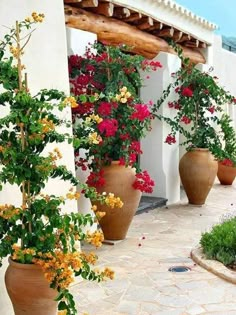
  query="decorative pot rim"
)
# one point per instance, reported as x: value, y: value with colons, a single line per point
x: 199, y: 149
x: 22, y: 265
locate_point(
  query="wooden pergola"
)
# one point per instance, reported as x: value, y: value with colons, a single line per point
x: 119, y: 24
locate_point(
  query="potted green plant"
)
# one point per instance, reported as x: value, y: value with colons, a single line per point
x: 227, y: 154
x: 38, y: 236
x: 199, y: 100
x: 106, y: 82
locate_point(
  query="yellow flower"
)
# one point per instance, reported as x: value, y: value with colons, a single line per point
x: 113, y: 201
x: 94, y: 138
x: 127, y: 94
x: 28, y: 19
x: 123, y: 89
x: 123, y: 100
x: 96, y: 118
x: 70, y: 101
x: 118, y: 97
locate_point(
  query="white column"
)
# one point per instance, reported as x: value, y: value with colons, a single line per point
x: 77, y: 41
x: 160, y: 159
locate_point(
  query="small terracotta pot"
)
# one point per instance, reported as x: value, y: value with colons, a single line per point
x: 118, y: 180
x: 198, y: 171
x: 226, y: 174
x: 29, y: 291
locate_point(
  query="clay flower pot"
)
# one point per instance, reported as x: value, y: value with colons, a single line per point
x: 198, y: 171
x: 29, y: 291
x: 118, y: 180
x: 226, y: 174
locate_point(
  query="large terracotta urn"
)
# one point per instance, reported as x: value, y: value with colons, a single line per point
x: 198, y: 170
x: 29, y: 291
x: 118, y: 180
x: 226, y: 174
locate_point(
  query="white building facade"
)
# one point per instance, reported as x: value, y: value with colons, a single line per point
x: 46, y: 61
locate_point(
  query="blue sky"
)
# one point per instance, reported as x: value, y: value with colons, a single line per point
x: 220, y: 12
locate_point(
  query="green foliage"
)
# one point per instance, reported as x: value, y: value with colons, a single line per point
x: 36, y: 230
x: 199, y: 99
x: 228, y: 150
x: 220, y: 242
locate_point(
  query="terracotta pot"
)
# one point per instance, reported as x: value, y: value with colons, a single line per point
x: 198, y: 171
x: 119, y: 180
x: 226, y: 174
x: 29, y: 291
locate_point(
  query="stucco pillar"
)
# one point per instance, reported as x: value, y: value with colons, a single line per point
x: 77, y: 41
x: 160, y: 159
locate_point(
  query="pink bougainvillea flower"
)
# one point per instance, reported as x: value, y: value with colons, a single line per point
x: 170, y: 139
x: 187, y: 91
x: 141, y: 112
x: 227, y: 162
x: 104, y: 109
x: 136, y: 147
x: 108, y: 126
x: 211, y: 109
x: 186, y: 120
x: 143, y: 182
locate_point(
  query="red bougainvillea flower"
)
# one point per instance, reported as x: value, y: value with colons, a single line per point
x: 132, y: 158
x: 234, y: 100
x: 186, y: 91
x: 186, y: 120
x: 211, y: 109
x: 136, y: 147
x: 104, y: 109
x: 143, y: 182
x: 170, y: 139
x: 96, y: 179
x: 227, y: 162
x: 108, y: 126
x: 141, y: 112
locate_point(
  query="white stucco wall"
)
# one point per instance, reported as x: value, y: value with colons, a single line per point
x: 160, y: 159
x: 46, y: 61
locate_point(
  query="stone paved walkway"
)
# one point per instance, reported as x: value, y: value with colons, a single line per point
x: 156, y: 241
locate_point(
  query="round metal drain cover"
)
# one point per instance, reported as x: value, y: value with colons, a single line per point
x: 179, y: 269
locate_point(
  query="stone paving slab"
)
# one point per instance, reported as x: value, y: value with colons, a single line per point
x: 156, y: 241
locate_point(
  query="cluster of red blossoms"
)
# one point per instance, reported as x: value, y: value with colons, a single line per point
x: 110, y: 111
x: 227, y: 162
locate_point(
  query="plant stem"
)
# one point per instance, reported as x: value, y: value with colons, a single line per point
x: 18, y: 55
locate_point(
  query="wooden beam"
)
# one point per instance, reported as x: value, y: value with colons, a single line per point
x: 145, y: 25
x: 133, y: 17
x: 156, y: 26
x: 89, y: 3
x: 202, y: 45
x: 165, y: 32
x: 193, y: 43
x: 121, y: 12
x: 72, y: 1
x: 115, y: 32
x: 184, y: 38
x: 104, y: 8
x: 177, y: 35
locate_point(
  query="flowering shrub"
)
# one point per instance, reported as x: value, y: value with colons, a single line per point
x: 109, y: 110
x: 199, y: 100
x: 227, y: 153
x: 37, y: 230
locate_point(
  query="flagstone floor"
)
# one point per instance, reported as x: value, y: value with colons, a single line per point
x: 156, y: 241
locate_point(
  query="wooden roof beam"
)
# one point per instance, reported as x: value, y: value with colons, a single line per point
x: 165, y: 32
x: 115, y: 32
x: 120, y: 12
x: 89, y: 3
x: 133, y: 17
x: 104, y: 8
x: 72, y: 1
x: 193, y: 43
x: 177, y: 36
x: 156, y: 26
x: 184, y: 38
x: 145, y: 25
